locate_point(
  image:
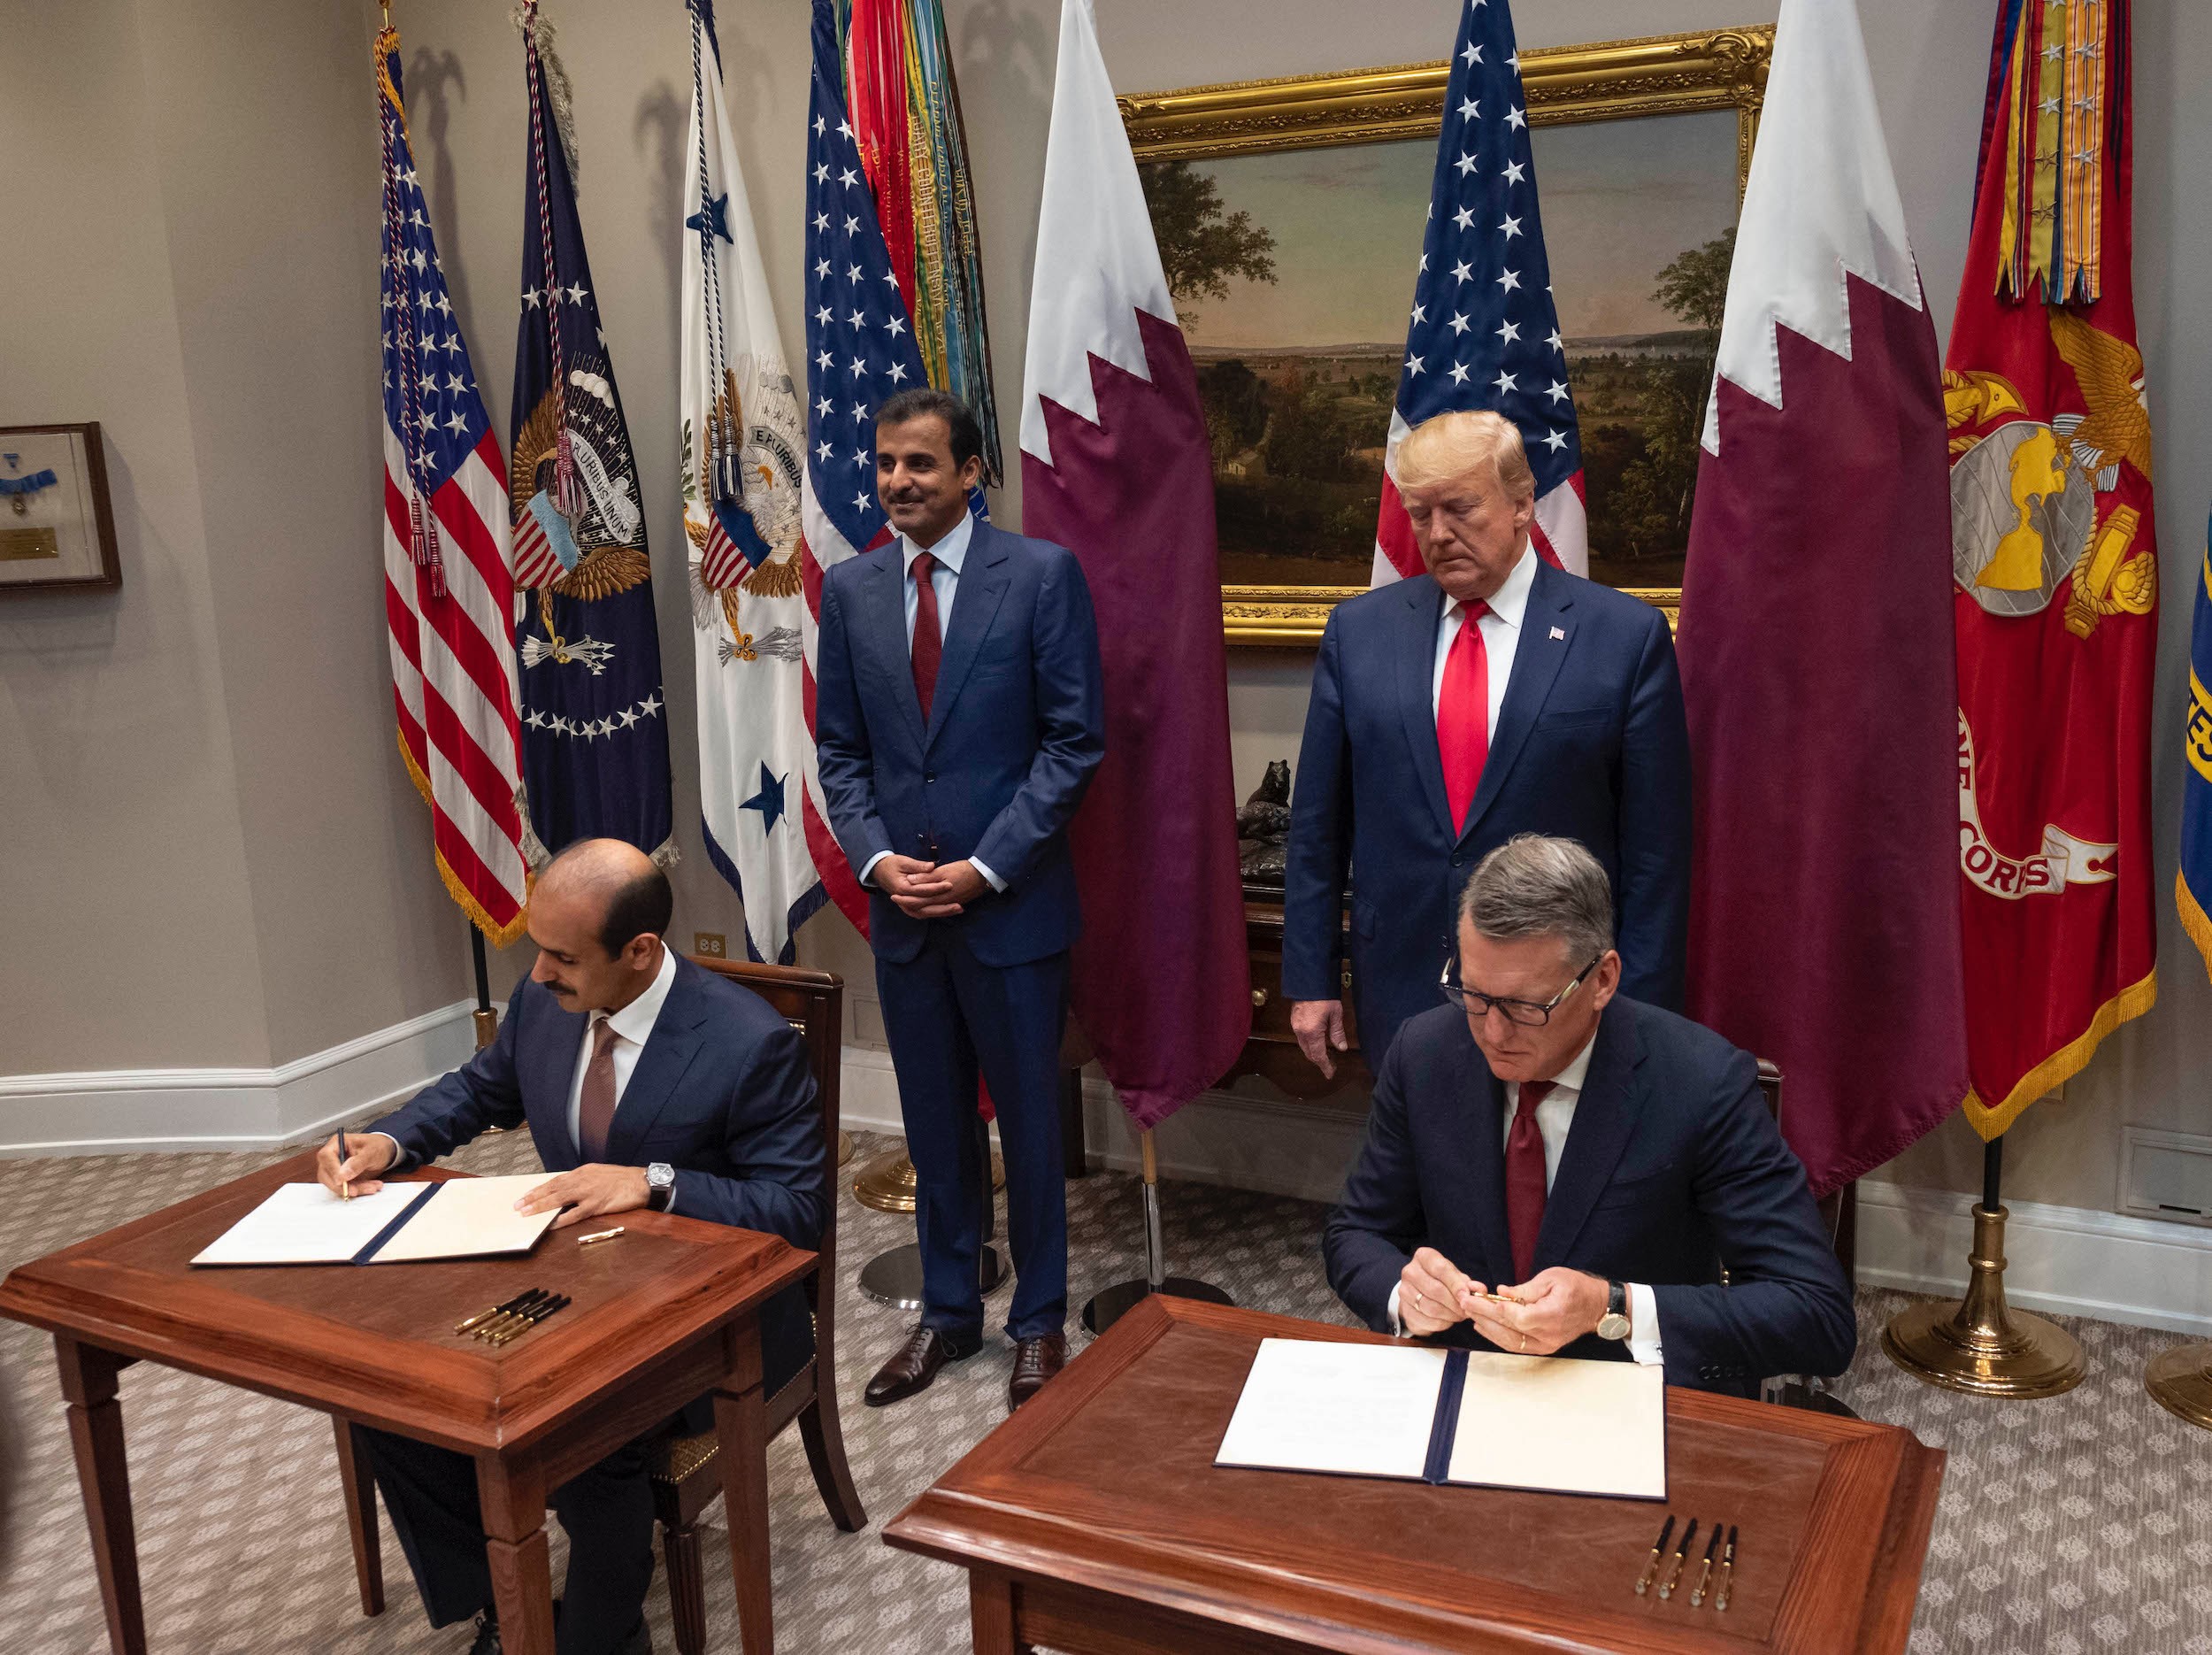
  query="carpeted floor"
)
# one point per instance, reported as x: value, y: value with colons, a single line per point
x: 2076, y: 1526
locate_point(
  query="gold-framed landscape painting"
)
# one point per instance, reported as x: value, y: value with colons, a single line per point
x: 1290, y: 214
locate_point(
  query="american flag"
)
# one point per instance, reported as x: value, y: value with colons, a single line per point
x: 860, y: 349
x: 448, y: 594
x: 1484, y: 331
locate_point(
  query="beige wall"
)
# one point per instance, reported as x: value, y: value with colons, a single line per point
x: 252, y: 150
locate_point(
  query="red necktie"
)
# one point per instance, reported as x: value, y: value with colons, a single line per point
x: 1525, y: 1178
x: 1462, y: 714
x: 929, y: 640
x: 595, y: 1105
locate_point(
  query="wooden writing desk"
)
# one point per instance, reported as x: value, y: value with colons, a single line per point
x: 666, y: 1313
x: 1095, y: 1522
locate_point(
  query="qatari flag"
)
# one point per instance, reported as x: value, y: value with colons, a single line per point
x: 1116, y: 467
x: 1816, y: 640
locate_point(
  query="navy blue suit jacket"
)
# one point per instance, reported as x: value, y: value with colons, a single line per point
x: 722, y: 1092
x: 1591, y: 745
x: 1017, y: 726
x: 1672, y: 1168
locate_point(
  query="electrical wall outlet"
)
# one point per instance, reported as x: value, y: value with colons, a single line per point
x: 710, y: 944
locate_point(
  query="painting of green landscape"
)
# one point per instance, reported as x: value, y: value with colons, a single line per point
x: 1293, y: 275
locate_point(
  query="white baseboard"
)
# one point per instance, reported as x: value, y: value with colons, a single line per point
x: 117, y: 1111
x: 2067, y: 1261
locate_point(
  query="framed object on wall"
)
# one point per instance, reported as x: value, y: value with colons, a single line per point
x: 57, y: 528
x: 1290, y: 215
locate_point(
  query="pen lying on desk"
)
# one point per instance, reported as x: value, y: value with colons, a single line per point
x: 483, y: 1317
x: 501, y: 1323
x: 528, y: 1320
x: 1727, y: 1568
x: 1705, y: 1573
x: 1674, y: 1564
x: 1651, y: 1569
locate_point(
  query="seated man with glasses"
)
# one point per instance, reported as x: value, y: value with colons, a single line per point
x: 1553, y: 1167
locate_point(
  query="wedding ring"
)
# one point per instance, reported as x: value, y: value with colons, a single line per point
x: 1524, y: 1341
x: 1420, y: 1303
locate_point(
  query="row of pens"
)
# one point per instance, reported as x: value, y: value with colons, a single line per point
x: 1668, y: 1572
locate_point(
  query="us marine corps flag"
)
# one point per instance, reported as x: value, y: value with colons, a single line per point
x: 2192, y: 885
x: 595, y: 728
x: 743, y: 435
x: 2054, y: 564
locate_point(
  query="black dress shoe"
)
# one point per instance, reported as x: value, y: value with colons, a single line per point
x: 1035, y: 1362
x: 916, y: 1365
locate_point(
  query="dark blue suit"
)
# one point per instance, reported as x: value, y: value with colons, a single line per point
x: 1591, y: 745
x: 1017, y: 727
x: 1672, y: 1168
x: 722, y: 1092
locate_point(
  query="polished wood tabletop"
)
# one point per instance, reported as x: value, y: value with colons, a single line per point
x: 1094, y: 1522
x: 662, y: 1315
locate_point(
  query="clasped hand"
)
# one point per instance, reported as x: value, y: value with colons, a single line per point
x: 1547, y: 1312
x: 926, y: 890
x: 589, y: 1193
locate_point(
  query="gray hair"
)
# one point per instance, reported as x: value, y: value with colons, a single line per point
x: 1536, y: 886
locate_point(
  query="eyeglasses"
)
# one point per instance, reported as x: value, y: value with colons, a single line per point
x: 1527, y: 1013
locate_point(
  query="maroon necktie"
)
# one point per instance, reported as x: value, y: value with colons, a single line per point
x: 929, y: 639
x: 1525, y: 1178
x: 1463, y: 715
x: 595, y: 1107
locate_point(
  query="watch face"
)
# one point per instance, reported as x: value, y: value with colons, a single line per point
x: 1612, y: 1325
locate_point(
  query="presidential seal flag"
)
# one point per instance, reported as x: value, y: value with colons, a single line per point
x: 1484, y: 331
x: 594, y: 725
x: 742, y: 432
x: 2192, y: 885
x: 1815, y: 636
x: 2054, y: 563
x: 448, y: 593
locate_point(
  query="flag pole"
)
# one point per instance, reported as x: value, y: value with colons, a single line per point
x: 1109, y: 1305
x: 486, y: 1019
x: 1979, y: 1344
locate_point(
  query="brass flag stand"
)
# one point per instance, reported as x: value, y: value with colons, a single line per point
x: 2180, y: 1382
x: 1979, y: 1344
x: 888, y: 1184
x: 1109, y: 1304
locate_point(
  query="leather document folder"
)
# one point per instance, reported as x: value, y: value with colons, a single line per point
x: 459, y: 1218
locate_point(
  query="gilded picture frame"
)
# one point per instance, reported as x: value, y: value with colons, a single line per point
x: 1671, y: 74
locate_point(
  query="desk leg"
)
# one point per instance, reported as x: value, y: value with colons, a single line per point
x: 513, y: 1494
x: 96, y: 1435
x: 741, y: 1421
x: 991, y: 1608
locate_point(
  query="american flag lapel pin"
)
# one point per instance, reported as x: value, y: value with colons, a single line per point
x: 1559, y: 634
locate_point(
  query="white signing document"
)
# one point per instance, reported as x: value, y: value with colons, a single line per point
x: 1417, y: 1412
x: 459, y: 1218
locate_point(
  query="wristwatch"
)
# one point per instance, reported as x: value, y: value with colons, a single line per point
x: 660, y: 1186
x: 1613, y: 1324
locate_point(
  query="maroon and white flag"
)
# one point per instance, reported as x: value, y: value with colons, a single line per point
x: 1816, y: 642
x: 1117, y: 468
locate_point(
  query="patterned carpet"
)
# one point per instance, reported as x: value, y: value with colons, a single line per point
x: 2073, y: 1527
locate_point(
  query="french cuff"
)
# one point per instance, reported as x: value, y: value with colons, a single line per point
x: 399, y: 1154
x: 1643, y: 1326
x: 869, y: 867
x: 1397, y: 1327
x: 983, y: 867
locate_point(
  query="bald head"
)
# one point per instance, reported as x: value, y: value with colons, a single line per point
x: 597, y: 913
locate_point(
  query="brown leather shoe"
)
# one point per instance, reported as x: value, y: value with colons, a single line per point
x: 1035, y: 1362
x: 915, y: 1365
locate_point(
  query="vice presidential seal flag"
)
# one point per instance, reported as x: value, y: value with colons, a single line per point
x: 1484, y: 331
x: 448, y: 593
x: 741, y: 441
x: 1116, y: 466
x: 1815, y: 636
x: 2054, y: 563
x: 594, y: 726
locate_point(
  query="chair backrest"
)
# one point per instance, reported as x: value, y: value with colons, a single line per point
x: 1770, y: 1083
x: 813, y: 1003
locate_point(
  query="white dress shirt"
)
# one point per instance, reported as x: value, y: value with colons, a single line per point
x: 1501, y: 633
x: 1554, y: 1114
x: 944, y: 581
x: 632, y: 1025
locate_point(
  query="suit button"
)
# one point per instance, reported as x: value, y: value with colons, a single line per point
x: 1459, y: 861
x: 929, y: 775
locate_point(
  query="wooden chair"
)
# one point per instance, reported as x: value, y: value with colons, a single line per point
x: 1840, y: 1215
x: 684, y: 1478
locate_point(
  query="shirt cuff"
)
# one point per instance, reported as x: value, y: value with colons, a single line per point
x: 399, y: 1155
x: 1643, y: 1327
x: 869, y: 867
x: 989, y: 878
x: 1397, y: 1327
